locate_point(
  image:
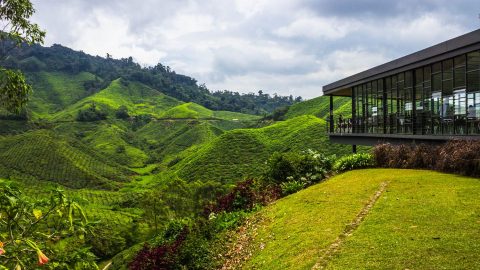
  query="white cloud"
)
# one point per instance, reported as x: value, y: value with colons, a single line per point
x: 317, y: 27
x: 289, y: 47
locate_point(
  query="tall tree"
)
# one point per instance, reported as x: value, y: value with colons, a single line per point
x: 17, y: 29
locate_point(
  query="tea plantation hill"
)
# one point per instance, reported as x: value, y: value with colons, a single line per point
x: 54, y: 91
x: 320, y: 107
x: 242, y: 152
x: 44, y: 156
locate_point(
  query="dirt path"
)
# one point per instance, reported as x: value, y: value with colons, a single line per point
x: 327, y: 253
x: 241, y: 250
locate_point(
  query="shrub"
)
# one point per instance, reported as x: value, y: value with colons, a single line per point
x: 122, y: 112
x: 355, y: 161
x: 456, y: 156
x: 291, y: 187
x: 462, y: 157
x: 242, y: 197
x: 283, y: 167
x: 91, y: 114
x: 105, y: 241
x: 163, y: 255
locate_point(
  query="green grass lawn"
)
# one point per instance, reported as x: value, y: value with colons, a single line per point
x: 424, y: 220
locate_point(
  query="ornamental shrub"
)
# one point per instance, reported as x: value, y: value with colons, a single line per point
x: 291, y: 187
x: 310, y: 165
x: 455, y: 156
x: 355, y: 161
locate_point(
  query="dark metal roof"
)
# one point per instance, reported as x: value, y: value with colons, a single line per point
x: 462, y: 44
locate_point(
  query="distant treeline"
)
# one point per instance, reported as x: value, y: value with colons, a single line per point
x: 162, y: 78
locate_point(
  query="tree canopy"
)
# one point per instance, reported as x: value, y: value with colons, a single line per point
x: 16, y: 29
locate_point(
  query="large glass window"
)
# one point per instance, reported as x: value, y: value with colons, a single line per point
x: 437, y: 77
x: 447, y: 80
x: 419, y: 101
x: 380, y: 107
x: 473, y: 72
x: 436, y: 112
x: 473, y: 113
x: 441, y: 98
x: 460, y: 111
x: 459, y: 72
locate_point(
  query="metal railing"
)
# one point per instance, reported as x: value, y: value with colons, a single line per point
x: 399, y: 124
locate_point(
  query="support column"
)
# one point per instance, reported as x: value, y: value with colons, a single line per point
x: 354, y: 148
x: 385, y: 106
x: 332, y: 127
x: 414, y: 102
x: 354, y: 111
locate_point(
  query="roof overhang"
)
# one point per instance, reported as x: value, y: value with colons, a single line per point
x: 450, y: 48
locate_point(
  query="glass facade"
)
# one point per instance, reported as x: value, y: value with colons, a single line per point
x: 438, y: 99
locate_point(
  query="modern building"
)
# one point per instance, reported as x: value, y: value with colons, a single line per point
x: 432, y: 95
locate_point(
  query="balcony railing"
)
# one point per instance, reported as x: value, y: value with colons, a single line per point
x: 399, y: 124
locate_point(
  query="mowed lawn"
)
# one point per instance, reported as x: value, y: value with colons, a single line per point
x: 423, y: 220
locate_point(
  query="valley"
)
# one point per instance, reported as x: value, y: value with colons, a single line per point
x: 125, y: 148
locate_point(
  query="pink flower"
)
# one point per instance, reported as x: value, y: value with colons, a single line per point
x: 42, y: 259
x: 2, y: 251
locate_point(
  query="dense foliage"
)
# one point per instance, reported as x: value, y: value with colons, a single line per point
x: 31, y: 230
x: 456, y: 156
x: 16, y: 29
x: 92, y: 113
x: 162, y: 78
x: 355, y: 161
x: 294, y: 170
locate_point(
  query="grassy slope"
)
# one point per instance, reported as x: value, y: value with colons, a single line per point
x: 42, y: 155
x: 54, y: 91
x: 243, y: 152
x: 320, y: 107
x: 424, y: 220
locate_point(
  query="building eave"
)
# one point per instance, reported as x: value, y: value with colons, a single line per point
x: 462, y: 44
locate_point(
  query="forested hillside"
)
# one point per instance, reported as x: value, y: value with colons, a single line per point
x: 90, y: 74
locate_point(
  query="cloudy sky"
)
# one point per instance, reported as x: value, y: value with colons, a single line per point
x: 278, y: 46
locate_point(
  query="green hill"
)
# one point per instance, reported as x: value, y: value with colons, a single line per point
x: 113, y: 139
x: 138, y: 98
x: 167, y: 139
x: 320, y: 107
x: 243, y: 152
x: 194, y: 111
x: 54, y: 91
x: 60, y: 59
x: 371, y: 219
x: 188, y: 110
x: 45, y: 156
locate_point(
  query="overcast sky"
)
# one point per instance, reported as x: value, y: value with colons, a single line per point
x: 278, y: 46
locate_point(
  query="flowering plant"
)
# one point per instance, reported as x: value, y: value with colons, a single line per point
x: 29, y: 229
